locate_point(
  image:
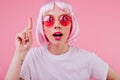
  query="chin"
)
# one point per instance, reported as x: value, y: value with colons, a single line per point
x: 59, y: 43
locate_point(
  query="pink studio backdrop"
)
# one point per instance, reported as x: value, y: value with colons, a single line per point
x: 99, y: 27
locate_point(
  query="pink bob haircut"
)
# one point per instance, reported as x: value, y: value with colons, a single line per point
x: 63, y: 5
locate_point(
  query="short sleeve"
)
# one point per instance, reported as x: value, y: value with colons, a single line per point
x: 25, y: 70
x: 99, y: 68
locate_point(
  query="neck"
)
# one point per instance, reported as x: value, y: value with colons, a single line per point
x: 58, y: 49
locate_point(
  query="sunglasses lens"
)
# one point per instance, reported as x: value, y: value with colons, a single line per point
x: 65, y: 20
x: 48, y: 21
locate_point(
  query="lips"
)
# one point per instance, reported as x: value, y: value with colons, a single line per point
x: 57, y: 35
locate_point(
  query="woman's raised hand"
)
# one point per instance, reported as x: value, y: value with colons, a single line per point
x: 24, y: 39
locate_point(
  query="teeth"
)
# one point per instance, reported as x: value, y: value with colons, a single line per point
x: 57, y: 34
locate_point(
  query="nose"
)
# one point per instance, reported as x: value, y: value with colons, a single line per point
x: 57, y: 25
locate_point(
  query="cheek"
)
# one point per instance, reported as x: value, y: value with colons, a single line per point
x: 47, y: 31
x: 47, y: 34
x: 68, y: 29
x: 68, y: 32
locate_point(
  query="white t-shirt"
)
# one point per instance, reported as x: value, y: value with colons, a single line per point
x: 75, y: 64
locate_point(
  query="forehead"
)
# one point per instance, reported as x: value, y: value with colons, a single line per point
x: 56, y: 12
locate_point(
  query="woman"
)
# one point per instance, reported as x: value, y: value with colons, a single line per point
x: 55, y: 59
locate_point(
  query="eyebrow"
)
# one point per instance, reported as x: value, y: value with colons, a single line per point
x: 54, y: 15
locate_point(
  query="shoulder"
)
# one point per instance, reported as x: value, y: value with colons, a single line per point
x: 35, y: 52
x: 86, y: 55
x: 82, y: 52
x: 83, y: 55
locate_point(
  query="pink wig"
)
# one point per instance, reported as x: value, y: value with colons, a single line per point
x: 40, y: 36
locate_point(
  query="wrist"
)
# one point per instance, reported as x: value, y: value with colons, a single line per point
x: 20, y: 55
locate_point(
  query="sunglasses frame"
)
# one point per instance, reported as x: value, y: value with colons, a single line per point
x: 61, y: 21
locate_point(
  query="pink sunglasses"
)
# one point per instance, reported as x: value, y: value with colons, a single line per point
x: 49, y: 20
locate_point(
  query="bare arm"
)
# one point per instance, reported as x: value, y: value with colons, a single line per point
x: 23, y: 44
x: 112, y: 74
x: 15, y: 68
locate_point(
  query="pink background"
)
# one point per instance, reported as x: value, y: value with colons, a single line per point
x: 99, y: 24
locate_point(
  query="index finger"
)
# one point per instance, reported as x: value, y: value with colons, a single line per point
x: 30, y: 23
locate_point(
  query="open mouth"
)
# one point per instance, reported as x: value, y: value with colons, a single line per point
x: 57, y: 35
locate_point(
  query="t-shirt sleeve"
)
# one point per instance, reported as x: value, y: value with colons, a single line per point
x: 25, y: 69
x: 99, y: 68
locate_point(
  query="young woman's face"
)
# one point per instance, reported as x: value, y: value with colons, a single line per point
x: 57, y: 25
